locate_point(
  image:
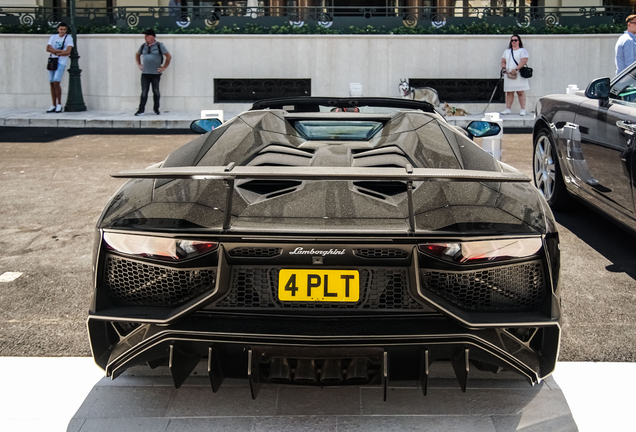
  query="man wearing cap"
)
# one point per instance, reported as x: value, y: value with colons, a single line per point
x: 150, y: 62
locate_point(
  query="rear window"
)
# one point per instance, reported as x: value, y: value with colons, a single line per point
x: 328, y: 130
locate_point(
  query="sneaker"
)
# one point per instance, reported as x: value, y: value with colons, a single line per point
x: 522, y: 112
x: 58, y: 108
x: 51, y: 109
x: 506, y: 111
x: 157, y: 112
x: 139, y: 113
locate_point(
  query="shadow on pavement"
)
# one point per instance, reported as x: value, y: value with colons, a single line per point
x: 603, y: 235
x: 46, y: 135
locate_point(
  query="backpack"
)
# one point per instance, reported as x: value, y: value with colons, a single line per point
x: 141, y: 48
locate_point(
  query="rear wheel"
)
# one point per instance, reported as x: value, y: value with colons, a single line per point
x: 547, y: 172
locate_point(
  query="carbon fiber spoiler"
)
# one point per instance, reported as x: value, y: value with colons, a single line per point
x: 313, y: 103
x: 231, y: 172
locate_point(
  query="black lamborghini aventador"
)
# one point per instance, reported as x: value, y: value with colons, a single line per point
x: 328, y: 241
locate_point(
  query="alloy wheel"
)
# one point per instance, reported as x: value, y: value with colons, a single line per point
x: 544, y: 169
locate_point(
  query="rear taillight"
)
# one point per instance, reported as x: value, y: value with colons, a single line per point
x: 473, y: 252
x: 162, y: 248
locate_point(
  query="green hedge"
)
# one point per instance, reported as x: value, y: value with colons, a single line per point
x: 474, y: 28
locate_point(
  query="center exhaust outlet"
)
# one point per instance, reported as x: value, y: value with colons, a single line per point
x: 305, y: 371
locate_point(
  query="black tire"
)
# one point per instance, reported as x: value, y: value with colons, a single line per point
x: 546, y: 171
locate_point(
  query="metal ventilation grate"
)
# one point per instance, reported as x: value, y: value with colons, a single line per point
x: 254, y: 89
x: 136, y: 284
x: 380, y: 253
x: 518, y: 287
x: 255, y: 252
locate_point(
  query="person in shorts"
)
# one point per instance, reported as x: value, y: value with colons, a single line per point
x: 150, y: 62
x: 59, y: 46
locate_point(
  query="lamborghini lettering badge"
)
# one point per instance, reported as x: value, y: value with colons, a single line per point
x: 301, y: 251
x: 319, y: 285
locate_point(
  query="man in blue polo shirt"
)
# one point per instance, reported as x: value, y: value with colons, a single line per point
x: 150, y: 62
x: 626, y: 46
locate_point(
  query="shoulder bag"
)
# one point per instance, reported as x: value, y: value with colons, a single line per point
x: 525, y: 71
x: 52, y: 63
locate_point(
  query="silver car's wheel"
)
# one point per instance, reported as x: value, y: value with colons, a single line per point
x: 544, y: 172
x: 547, y: 173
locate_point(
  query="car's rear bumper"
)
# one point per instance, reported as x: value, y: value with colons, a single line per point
x: 326, y: 351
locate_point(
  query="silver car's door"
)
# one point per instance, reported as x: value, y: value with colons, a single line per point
x: 606, y: 141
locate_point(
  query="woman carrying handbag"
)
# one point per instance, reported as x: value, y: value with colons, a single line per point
x: 512, y: 60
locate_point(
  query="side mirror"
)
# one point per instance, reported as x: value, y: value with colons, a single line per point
x: 482, y: 129
x: 598, y: 89
x: 203, y: 126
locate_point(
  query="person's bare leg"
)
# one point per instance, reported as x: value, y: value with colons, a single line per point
x: 58, y: 93
x: 510, y: 97
x: 53, y: 93
x: 522, y: 99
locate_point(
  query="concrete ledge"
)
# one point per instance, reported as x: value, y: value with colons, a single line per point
x: 98, y: 123
x: 152, y: 124
x: 13, y: 121
x: 124, y: 124
x: 175, y: 120
x: 44, y: 122
x: 72, y: 123
x: 178, y: 124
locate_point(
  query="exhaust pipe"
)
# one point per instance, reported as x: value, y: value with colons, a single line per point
x: 305, y: 371
x: 358, y: 370
x: 331, y: 371
x: 279, y: 370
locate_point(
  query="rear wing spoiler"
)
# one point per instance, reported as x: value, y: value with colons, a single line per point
x: 231, y: 172
x: 313, y: 103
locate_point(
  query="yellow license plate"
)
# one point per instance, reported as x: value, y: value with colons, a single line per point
x: 319, y: 285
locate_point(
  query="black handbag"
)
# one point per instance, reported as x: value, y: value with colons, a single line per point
x: 52, y: 63
x: 525, y: 71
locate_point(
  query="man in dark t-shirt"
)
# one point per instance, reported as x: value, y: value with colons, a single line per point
x: 150, y: 62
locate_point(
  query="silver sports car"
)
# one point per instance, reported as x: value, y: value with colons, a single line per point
x: 584, y: 147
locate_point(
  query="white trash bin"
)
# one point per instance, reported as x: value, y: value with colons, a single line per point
x: 492, y: 144
x: 206, y: 114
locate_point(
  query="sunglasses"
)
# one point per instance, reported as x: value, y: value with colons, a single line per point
x: 514, y: 40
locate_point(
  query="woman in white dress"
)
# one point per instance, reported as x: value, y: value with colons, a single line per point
x: 512, y: 60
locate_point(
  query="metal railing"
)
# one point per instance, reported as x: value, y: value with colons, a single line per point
x: 326, y: 17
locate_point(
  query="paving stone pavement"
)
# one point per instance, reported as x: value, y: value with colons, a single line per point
x: 145, y: 400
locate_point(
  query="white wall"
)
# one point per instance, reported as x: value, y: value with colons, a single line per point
x: 110, y: 78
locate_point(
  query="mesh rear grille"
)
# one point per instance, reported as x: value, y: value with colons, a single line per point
x: 135, y: 284
x: 381, y: 253
x: 255, y: 252
x: 380, y: 289
x: 513, y: 288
